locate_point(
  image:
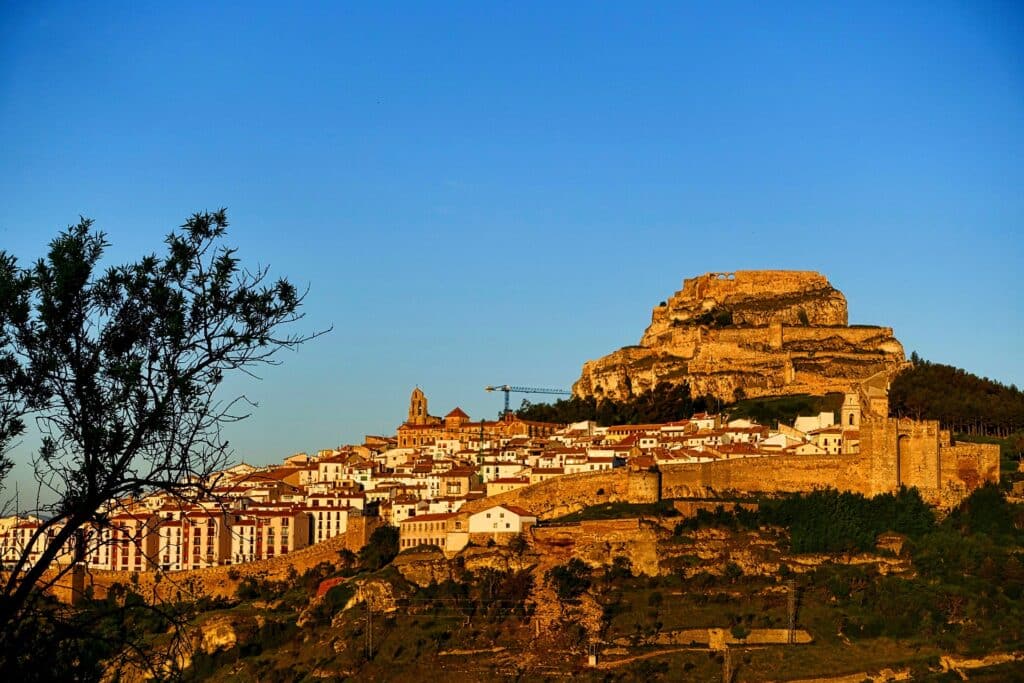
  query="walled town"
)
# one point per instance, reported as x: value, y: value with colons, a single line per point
x: 450, y: 481
x: 521, y: 547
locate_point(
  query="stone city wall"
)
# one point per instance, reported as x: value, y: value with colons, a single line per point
x: 562, y: 495
x: 781, y: 473
x: 755, y: 341
x: 918, y: 453
x: 751, y: 283
x: 965, y: 466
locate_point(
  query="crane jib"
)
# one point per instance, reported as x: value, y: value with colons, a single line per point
x: 508, y: 389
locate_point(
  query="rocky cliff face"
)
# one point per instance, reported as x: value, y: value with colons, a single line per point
x: 766, y: 332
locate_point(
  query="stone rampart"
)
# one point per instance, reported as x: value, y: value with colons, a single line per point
x: 751, y: 283
x: 894, y: 453
x: 759, y: 338
x: 562, y: 495
x: 965, y: 466
x: 782, y: 473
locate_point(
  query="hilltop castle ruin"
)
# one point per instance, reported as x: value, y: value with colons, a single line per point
x: 748, y: 333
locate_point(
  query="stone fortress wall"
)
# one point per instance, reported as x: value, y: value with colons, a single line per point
x: 756, y: 297
x: 775, y: 474
x: 751, y: 283
x: 894, y: 452
x: 563, y: 495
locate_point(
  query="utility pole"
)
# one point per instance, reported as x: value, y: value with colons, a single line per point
x: 369, y: 628
x: 792, y: 610
x: 727, y: 665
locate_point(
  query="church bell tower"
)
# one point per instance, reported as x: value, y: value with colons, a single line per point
x: 418, y: 408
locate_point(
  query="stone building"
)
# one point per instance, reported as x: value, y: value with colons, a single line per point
x: 431, y: 529
x: 422, y: 429
x: 134, y: 540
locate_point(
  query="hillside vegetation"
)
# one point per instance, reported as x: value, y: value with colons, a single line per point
x: 665, y: 403
x: 785, y: 409
x: 668, y: 402
x: 960, y: 400
x: 963, y: 402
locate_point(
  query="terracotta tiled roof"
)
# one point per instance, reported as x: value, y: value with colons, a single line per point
x: 459, y: 472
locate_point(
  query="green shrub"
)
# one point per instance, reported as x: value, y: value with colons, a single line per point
x: 739, y: 631
x: 831, y: 522
x: 569, y: 580
x: 381, y: 548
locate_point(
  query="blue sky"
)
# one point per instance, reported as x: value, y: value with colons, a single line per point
x: 479, y: 193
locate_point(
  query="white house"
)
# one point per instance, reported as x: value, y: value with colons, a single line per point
x: 494, y: 469
x: 819, y: 421
x: 501, y: 519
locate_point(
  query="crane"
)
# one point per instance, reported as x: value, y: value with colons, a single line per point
x: 523, y: 390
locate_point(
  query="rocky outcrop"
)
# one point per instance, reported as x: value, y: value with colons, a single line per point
x: 170, y: 656
x: 750, y: 333
x: 431, y: 566
x: 224, y: 632
x: 599, y: 542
